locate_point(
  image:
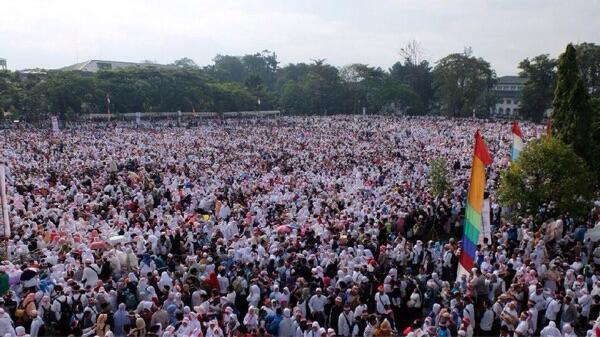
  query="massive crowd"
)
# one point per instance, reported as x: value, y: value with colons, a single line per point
x: 287, y: 227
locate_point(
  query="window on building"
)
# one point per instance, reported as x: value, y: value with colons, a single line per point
x: 508, y: 111
x: 500, y: 111
x: 509, y: 101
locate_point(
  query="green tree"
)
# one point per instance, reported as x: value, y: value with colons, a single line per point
x: 538, y: 90
x: 595, y: 135
x: 572, y: 115
x: 185, y: 62
x: 416, y: 76
x: 9, y: 91
x: 324, y: 89
x: 364, y: 84
x: 464, y: 85
x: 293, y: 98
x: 588, y: 59
x: 228, y: 69
x: 438, y: 176
x: 548, y: 172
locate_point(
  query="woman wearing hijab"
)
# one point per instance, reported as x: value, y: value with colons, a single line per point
x: 251, y: 319
x: 550, y: 331
x: 165, y: 280
x: 102, y: 326
x: 121, y: 319
x: 384, y: 330
x: 140, y: 328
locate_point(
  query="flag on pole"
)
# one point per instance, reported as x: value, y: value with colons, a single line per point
x: 518, y: 143
x: 473, y: 211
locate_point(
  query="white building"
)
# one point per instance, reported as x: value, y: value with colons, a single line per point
x: 508, y: 92
x: 93, y: 66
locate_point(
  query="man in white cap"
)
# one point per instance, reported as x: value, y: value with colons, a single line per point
x: 316, y: 304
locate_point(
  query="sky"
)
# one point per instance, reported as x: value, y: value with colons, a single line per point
x: 56, y: 33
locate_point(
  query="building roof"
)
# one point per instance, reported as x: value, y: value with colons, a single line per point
x: 92, y: 65
x: 510, y: 80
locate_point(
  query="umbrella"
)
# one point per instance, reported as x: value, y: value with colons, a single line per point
x: 113, y: 240
x: 283, y: 229
x: 100, y: 245
x: 28, y: 274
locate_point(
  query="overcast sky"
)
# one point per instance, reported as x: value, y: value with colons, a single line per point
x: 56, y: 33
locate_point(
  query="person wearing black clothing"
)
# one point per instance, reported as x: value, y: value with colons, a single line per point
x: 334, y: 314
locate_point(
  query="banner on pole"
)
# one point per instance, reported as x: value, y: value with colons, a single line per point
x: 138, y: 116
x: 54, y: 120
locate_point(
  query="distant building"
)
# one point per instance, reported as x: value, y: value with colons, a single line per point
x: 93, y: 66
x: 2, y: 64
x: 508, y: 92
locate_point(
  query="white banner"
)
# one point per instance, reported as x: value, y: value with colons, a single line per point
x: 54, y: 124
x: 138, y: 116
x: 5, y: 208
x: 486, y: 223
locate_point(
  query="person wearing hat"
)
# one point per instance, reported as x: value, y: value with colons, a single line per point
x: 316, y: 304
x: 334, y: 313
x: 381, y: 300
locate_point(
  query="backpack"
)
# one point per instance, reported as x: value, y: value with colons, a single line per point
x: 130, y: 301
x: 77, y: 304
x: 274, y: 326
x: 65, y: 312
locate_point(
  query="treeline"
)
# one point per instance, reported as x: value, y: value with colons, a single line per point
x: 458, y: 85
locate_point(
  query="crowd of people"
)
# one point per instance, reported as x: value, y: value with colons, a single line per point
x: 286, y: 227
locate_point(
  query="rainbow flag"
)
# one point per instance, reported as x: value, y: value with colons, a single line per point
x: 517, y: 141
x: 472, y: 229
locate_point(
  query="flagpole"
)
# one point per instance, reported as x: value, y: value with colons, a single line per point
x: 5, y: 210
x: 108, y: 105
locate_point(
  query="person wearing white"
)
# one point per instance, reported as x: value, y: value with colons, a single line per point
x: 552, y: 309
x: 286, y: 325
x: 36, y: 324
x: 550, y: 331
x: 6, y: 324
x: 90, y: 273
x: 254, y: 295
x: 317, y: 302
x: 381, y: 300
x: 345, y: 322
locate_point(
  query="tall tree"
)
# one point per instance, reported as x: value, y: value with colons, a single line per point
x: 185, y: 62
x: 588, y: 59
x: 572, y: 115
x: 464, y: 85
x: 538, y: 90
x: 418, y: 77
